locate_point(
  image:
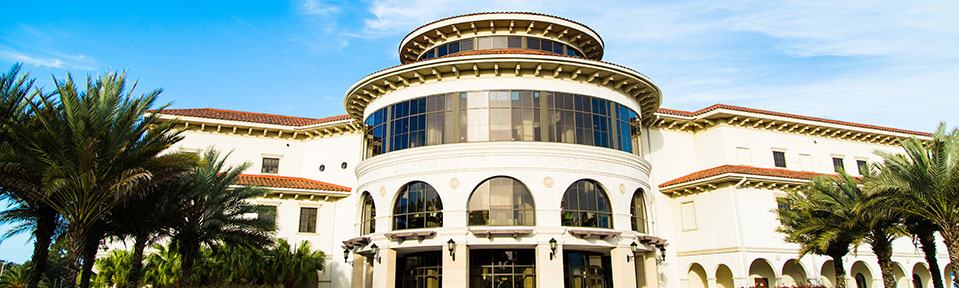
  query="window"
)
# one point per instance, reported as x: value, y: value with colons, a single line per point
x: 500, y: 42
x: 270, y: 165
x: 503, y: 268
x: 585, y: 205
x: 639, y: 211
x: 418, y: 206
x: 367, y: 214
x: 587, y: 269
x: 688, y: 210
x: 515, y: 42
x: 501, y: 201
x: 863, y: 167
x: 420, y: 270
x: 307, y: 220
x: 267, y: 212
x: 837, y: 164
x: 779, y: 158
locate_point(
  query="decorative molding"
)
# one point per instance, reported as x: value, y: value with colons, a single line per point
x: 490, y: 232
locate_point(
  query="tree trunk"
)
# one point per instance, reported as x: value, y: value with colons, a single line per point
x: 136, y: 264
x: 76, y: 241
x: 927, y: 242
x: 882, y: 247
x: 46, y: 227
x: 90, y: 256
x: 840, y: 270
x: 188, y: 255
x: 953, y: 246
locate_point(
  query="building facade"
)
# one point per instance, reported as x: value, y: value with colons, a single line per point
x: 503, y: 152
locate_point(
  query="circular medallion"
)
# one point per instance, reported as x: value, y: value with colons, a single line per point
x: 622, y: 188
x: 548, y: 182
x: 382, y: 191
x: 454, y: 182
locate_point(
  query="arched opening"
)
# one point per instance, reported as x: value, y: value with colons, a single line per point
x: 417, y: 206
x: 585, y: 205
x: 501, y: 201
x: 724, y: 277
x: 793, y: 273
x: 949, y: 277
x: 697, y: 276
x: 827, y: 275
x: 900, y: 275
x: 921, y: 278
x: 367, y: 214
x: 761, y: 274
x: 861, y: 275
x: 638, y: 208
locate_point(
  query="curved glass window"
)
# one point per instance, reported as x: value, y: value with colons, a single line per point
x: 638, y: 208
x: 418, y: 206
x: 502, y: 115
x: 500, y: 42
x: 501, y: 201
x: 585, y: 205
x: 502, y: 268
x: 367, y: 214
x: 420, y: 270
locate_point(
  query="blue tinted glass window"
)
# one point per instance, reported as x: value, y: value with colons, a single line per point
x: 570, y: 51
x: 558, y: 48
x: 532, y: 43
x: 430, y: 55
x: 441, y: 51
x: 454, y: 48
x: 546, y: 45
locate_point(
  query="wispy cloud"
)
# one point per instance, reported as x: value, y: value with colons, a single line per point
x: 318, y: 7
x: 50, y: 60
x: 42, y: 62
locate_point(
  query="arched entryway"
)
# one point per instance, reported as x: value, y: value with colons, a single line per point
x: 827, y: 275
x: 724, y: 277
x: 697, y: 276
x: 793, y: 273
x: 761, y: 274
x: 861, y: 275
x: 949, y: 277
x: 900, y: 275
x: 921, y: 278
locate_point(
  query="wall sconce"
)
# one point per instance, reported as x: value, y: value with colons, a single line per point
x: 632, y: 249
x: 376, y: 252
x: 346, y: 255
x: 451, y: 246
x: 662, y: 254
x: 552, y: 248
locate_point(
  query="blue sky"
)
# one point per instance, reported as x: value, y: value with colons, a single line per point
x: 890, y: 63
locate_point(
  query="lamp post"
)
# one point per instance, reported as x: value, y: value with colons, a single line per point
x: 632, y: 251
x: 552, y: 248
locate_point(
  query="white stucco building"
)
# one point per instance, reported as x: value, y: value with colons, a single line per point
x: 503, y: 152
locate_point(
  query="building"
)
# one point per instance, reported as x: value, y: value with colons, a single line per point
x: 503, y: 152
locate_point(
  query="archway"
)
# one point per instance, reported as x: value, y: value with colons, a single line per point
x: 827, y: 275
x: 761, y: 274
x: 861, y: 275
x: 724, y: 277
x: 921, y: 278
x: 900, y: 275
x: 697, y: 276
x: 949, y: 277
x: 793, y: 273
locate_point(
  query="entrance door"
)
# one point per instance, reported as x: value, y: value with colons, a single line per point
x: 587, y: 270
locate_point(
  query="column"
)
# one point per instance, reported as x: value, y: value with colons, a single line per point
x: 456, y: 268
x: 384, y: 271
x: 741, y: 282
x: 652, y: 270
x: 624, y: 273
x: 711, y: 283
x: 356, y: 280
x: 549, y: 273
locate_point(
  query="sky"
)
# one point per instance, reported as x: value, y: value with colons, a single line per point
x: 888, y: 63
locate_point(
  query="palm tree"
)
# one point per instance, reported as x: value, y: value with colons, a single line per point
x: 880, y: 222
x: 215, y: 212
x: 162, y: 267
x: 99, y: 146
x: 15, y: 277
x: 923, y: 235
x: 113, y: 269
x: 924, y: 182
x: 822, y: 219
x: 294, y: 267
x: 21, y: 181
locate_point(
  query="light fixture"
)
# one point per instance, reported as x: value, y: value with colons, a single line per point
x: 662, y: 253
x: 451, y: 246
x: 346, y: 255
x: 376, y: 252
x: 552, y: 248
x: 632, y: 251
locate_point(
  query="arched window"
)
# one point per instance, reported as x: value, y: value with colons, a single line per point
x: 501, y: 201
x: 638, y: 207
x: 367, y: 214
x: 585, y: 205
x: 418, y: 206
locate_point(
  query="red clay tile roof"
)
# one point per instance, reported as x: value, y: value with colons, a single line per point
x: 736, y: 169
x: 288, y: 182
x: 488, y: 13
x: 772, y: 113
x: 251, y: 116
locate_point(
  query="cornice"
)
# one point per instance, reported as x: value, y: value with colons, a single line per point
x: 251, y: 129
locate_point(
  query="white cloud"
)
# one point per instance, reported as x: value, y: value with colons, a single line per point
x: 51, y: 60
x: 42, y: 62
x: 318, y: 7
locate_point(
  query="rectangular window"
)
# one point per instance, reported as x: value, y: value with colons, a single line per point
x: 515, y: 42
x: 466, y: 45
x: 267, y: 212
x: 454, y: 48
x: 484, y: 43
x: 270, y: 165
x: 532, y: 43
x: 837, y: 164
x: 863, y: 167
x: 499, y: 42
x: 779, y: 158
x: 307, y: 220
x: 441, y: 51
